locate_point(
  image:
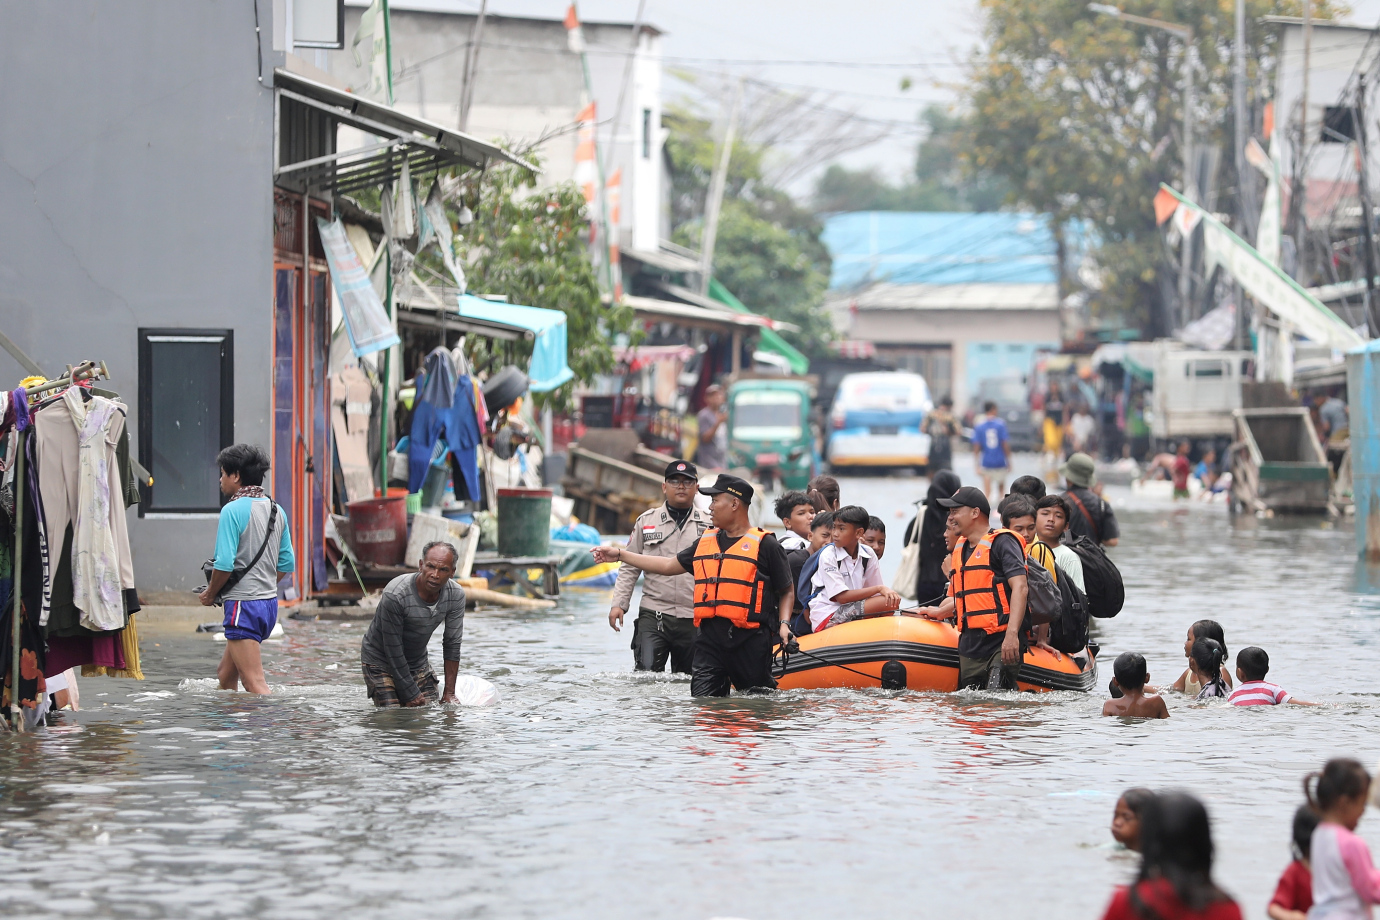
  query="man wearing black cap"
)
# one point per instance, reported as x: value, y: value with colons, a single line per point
x: 987, y: 592
x: 743, y: 592
x: 663, y: 626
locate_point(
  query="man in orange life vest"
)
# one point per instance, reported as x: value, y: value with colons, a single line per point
x: 743, y: 592
x: 987, y: 592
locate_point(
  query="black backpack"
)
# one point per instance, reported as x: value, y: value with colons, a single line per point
x: 1106, y: 591
x: 1069, y: 632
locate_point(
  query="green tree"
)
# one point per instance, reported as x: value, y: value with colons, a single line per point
x: 531, y: 245
x: 768, y: 250
x: 1081, y: 115
x: 938, y: 182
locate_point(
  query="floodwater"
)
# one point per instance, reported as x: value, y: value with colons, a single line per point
x: 587, y: 791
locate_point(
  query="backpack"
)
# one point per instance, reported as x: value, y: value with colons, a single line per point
x: 1106, y: 591
x: 1069, y: 633
x: 1042, y: 601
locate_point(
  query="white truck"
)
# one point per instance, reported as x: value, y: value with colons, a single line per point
x: 1195, y: 392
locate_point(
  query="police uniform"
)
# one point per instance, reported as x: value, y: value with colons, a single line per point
x: 665, y: 618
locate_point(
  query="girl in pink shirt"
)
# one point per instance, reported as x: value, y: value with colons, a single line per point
x: 1345, y: 880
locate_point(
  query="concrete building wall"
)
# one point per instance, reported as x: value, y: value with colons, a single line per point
x: 959, y: 329
x: 136, y: 187
x: 528, y: 87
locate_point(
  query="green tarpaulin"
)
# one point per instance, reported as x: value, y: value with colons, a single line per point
x: 771, y: 339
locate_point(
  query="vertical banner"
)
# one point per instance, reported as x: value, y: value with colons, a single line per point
x: 365, y: 319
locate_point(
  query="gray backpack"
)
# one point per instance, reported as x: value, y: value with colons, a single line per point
x: 1043, y: 602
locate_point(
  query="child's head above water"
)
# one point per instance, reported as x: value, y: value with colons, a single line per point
x: 1130, y: 671
x: 1126, y: 817
x: 1252, y: 663
x: 1205, y: 629
x: 1206, y: 659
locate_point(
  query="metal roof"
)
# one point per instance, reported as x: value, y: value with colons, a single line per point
x: 940, y: 247
x: 685, y: 314
x: 887, y: 296
x: 423, y: 144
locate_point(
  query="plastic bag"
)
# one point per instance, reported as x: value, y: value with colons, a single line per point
x: 474, y: 691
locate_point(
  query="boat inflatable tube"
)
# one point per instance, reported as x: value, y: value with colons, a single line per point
x: 909, y: 652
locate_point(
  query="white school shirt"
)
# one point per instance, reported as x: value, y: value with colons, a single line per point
x: 839, y: 572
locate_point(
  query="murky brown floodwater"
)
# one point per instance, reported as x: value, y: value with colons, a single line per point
x: 590, y: 792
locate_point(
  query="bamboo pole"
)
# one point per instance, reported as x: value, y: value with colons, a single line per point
x: 16, y: 717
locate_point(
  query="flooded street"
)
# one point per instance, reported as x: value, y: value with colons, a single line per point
x: 587, y: 791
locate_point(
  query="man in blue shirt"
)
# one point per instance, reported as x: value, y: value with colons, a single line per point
x: 253, y: 550
x: 992, y: 451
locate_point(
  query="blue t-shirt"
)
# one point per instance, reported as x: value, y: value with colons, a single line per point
x: 989, y: 435
x: 240, y: 533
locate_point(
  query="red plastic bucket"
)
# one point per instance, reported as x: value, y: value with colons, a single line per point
x: 378, y: 530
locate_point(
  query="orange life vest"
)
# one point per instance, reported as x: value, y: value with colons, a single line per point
x: 728, y: 584
x: 981, y: 596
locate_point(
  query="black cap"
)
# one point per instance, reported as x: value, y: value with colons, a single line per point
x: 682, y: 468
x: 968, y: 497
x: 730, y: 484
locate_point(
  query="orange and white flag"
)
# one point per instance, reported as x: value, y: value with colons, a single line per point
x: 1165, y: 206
x: 586, y: 170
x: 574, y: 35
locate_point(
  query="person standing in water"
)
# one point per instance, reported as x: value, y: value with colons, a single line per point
x: 743, y: 592
x: 663, y: 626
x: 942, y: 428
x: 992, y: 451
x: 930, y: 582
x: 987, y: 593
x: 712, y: 453
x: 397, y: 670
x: 1345, y: 881
x: 253, y: 550
x: 1090, y: 515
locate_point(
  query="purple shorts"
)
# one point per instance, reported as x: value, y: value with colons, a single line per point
x: 250, y: 619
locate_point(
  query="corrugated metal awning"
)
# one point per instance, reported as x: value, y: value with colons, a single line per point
x: 314, y: 163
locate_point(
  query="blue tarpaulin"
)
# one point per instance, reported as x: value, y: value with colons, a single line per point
x: 548, y: 369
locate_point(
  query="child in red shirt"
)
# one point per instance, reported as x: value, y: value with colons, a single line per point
x: 1294, y: 894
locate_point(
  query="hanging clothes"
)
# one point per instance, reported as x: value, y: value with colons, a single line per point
x: 32, y: 687
x: 463, y: 436
x: 430, y: 415
x: 79, y: 479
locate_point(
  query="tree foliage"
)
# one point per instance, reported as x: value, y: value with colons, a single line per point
x: 1082, y: 115
x: 768, y: 250
x: 937, y: 183
x: 531, y: 245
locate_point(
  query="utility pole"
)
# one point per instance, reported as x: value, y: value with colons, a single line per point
x: 472, y: 65
x: 1298, y: 195
x: 1244, y: 187
x: 715, y: 201
x: 1190, y: 181
x: 1359, y: 117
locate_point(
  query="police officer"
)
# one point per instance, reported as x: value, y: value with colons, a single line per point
x: 664, y: 624
x: 743, y: 592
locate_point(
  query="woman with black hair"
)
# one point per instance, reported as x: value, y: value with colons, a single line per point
x: 930, y: 581
x: 1175, y: 879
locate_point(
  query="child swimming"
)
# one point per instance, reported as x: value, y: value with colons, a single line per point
x: 1294, y: 893
x: 1126, y: 817
x: 1134, y: 702
x: 1203, y: 629
x: 1205, y: 663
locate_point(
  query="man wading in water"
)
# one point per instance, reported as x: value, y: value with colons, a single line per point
x: 396, y: 668
x: 663, y: 626
x: 987, y: 592
x: 743, y: 592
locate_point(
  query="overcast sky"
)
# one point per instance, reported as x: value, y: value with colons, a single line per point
x: 857, y: 53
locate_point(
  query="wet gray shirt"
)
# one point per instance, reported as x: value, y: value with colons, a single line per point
x: 402, y: 626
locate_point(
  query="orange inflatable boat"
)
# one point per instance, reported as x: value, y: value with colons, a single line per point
x: 911, y: 652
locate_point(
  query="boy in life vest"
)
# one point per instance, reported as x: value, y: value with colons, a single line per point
x: 987, y: 594
x: 743, y: 592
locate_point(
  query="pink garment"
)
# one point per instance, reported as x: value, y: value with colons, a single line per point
x: 74, y: 651
x: 1345, y: 880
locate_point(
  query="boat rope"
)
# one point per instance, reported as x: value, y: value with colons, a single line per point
x: 793, y: 647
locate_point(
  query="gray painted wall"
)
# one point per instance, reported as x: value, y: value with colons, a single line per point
x: 136, y: 190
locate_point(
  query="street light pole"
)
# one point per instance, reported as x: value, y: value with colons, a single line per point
x: 1190, y: 103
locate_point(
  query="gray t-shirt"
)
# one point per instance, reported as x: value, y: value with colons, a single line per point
x: 397, y: 638
x: 713, y: 452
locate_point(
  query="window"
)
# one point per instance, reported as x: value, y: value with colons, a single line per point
x: 1339, y: 124
x: 1206, y: 369
x: 646, y: 134
x: 186, y: 415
